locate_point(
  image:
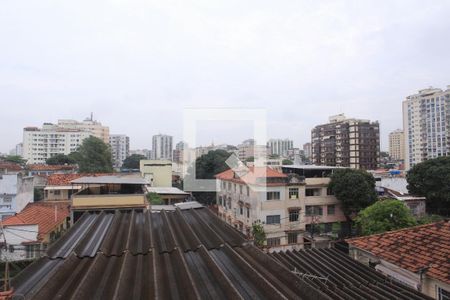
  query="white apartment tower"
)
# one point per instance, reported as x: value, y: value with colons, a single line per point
x: 120, y: 148
x: 425, y: 125
x: 397, y: 145
x: 279, y: 147
x: 39, y: 144
x: 162, y: 147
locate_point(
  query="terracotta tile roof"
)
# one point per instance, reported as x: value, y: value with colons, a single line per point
x: 41, y: 213
x: 43, y: 167
x: 65, y: 179
x: 413, y: 248
x: 251, y: 176
x: 9, y: 166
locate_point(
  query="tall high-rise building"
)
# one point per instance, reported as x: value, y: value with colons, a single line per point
x: 397, y: 145
x: 307, y: 150
x: 426, y: 125
x: 39, y: 144
x: 346, y: 142
x: 178, y: 152
x: 279, y: 147
x: 89, y: 124
x: 248, y: 149
x: 162, y: 147
x: 120, y: 148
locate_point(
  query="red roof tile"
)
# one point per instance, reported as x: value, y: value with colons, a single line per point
x: 10, y: 166
x: 250, y: 176
x: 41, y: 213
x: 65, y: 179
x: 43, y: 167
x: 413, y: 248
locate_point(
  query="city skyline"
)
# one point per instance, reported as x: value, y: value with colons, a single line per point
x: 302, y: 62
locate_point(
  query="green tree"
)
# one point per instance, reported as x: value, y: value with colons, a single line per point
x: 93, y: 156
x: 384, y: 215
x: 154, y: 199
x: 207, y: 166
x: 60, y: 159
x: 132, y: 161
x: 17, y: 159
x: 431, y: 179
x: 287, y: 162
x: 258, y: 233
x: 211, y: 164
x: 354, y: 188
x: 250, y: 159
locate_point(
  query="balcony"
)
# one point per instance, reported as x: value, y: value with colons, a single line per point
x: 109, y: 192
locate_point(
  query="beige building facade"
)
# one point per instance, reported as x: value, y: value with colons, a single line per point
x: 157, y: 172
x: 397, y: 145
x: 39, y: 144
x: 426, y: 125
x: 294, y: 210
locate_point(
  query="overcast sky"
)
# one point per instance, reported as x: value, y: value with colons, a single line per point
x: 138, y: 64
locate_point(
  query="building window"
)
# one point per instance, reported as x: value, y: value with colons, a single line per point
x: 312, y: 192
x: 313, y: 210
x: 248, y: 212
x: 293, y: 193
x: 240, y: 189
x: 292, y: 238
x: 241, y: 210
x: 273, y: 242
x: 273, y: 195
x: 229, y: 186
x: 273, y: 219
x: 443, y: 294
x: 57, y: 193
x: 7, y: 199
x: 329, y: 192
x: 331, y: 209
x: 32, y: 251
x: 248, y: 191
x: 293, y: 215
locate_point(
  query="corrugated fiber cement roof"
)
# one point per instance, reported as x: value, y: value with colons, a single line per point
x: 135, y: 254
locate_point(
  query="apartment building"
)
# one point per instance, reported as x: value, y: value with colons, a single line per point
x: 90, y: 125
x: 307, y: 150
x: 426, y: 125
x: 16, y: 190
x: 397, y: 145
x: 120, y: 148
x: 248, y: 149
x: 346, y: 142
x: 178, y: 152
x: 295, y: 205
x: 39, y: 144
x: 279, y: 147
x: 162, y: 147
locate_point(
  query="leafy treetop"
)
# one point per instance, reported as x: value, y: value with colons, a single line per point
x: 431, y: 179
x: 385, y: 215
x: 354, y: 188
x: 132, y: 161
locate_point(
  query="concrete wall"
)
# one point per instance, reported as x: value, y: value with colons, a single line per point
x: 158, y: 172
x: 107, y: 200
x: 16, y: 192
x: 15, y: 236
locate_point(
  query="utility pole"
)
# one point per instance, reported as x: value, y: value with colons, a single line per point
x: 6, y: 280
